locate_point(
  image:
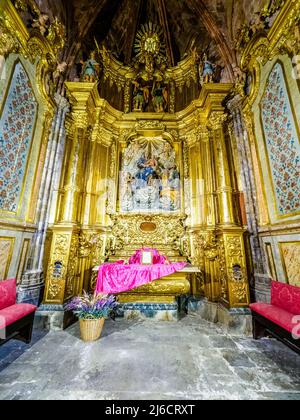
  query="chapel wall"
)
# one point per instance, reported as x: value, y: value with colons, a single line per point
x: 31, y: 137
x: 23, y: 131
x: 264, y: 131
x: 276, y: 114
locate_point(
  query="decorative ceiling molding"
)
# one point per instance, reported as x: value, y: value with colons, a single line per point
x: 161, y: 6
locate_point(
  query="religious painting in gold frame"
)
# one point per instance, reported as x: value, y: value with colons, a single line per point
x: 147, y: 257
x: 150, y: 177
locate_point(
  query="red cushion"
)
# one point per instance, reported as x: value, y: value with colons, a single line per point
x: 286, y: 297
x: 12, y: 314
x: 8, y: 293
x: 277, y: 315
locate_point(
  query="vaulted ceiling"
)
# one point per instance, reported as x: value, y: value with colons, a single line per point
x: 207, y: 24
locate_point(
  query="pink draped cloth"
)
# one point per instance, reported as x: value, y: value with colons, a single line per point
x: 117, y: 277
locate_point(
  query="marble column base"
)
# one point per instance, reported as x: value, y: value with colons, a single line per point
x: 150, y: 311
x: 31, y: 288
x: 53, y: 318
x: 236, y: 321
x: 261, y: 290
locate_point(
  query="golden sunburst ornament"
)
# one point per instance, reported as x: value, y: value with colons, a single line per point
x: 149, y: 41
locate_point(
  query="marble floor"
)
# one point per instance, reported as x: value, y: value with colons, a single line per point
x: 136, y: 360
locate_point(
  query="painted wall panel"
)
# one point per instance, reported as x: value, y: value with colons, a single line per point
x: 282, y: 143
x: 17, y: 126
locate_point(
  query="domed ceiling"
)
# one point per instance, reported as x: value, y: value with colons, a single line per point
x: 209, y: 25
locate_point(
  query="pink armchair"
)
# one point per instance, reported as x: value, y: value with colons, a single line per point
x: 16, y: 320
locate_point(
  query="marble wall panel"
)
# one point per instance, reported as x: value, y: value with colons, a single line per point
x: 283, y: 255
x: 6, y: 250
x: 290, y: 254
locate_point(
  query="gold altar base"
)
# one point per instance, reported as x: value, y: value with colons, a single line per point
x: 145, y: 298
x: 159, y: 300
x: 165, y: 290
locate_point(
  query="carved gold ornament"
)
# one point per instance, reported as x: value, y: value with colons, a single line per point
x: 8, y: 42
x: 128, y: 236
x: 239, y: 291
x: 58, y: 267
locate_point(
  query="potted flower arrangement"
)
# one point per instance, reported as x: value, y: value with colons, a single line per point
x: 92, y: 310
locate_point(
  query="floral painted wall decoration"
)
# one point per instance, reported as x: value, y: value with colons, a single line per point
x: 282, y: 143
x: 16, y: 132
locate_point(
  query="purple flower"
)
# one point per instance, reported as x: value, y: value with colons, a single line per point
x: 92, y: 306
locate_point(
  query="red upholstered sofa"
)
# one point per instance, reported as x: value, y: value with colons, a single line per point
x: 16, y: 320
x: 280, y: 318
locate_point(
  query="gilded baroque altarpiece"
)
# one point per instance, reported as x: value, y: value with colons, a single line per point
x: 147, y: 193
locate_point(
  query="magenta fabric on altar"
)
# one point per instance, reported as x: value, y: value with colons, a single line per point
x: 118, y: 277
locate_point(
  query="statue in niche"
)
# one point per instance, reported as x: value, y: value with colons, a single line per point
x: 90, y: 69
x: 141, y: 96
x: 160, y: 97
x: 206, y: 70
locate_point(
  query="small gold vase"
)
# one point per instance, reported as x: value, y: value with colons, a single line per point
x: 91, y: 329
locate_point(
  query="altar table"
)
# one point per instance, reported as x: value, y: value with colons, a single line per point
x: 119, y: 277
x: 164, y: 290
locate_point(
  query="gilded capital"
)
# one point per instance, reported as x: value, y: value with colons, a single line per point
x: 203, y: 134
x: 8, y: 43
x: 216, y: 120
x: 80, y: 118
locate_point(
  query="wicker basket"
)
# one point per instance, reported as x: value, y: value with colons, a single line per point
x: 91, y: 329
